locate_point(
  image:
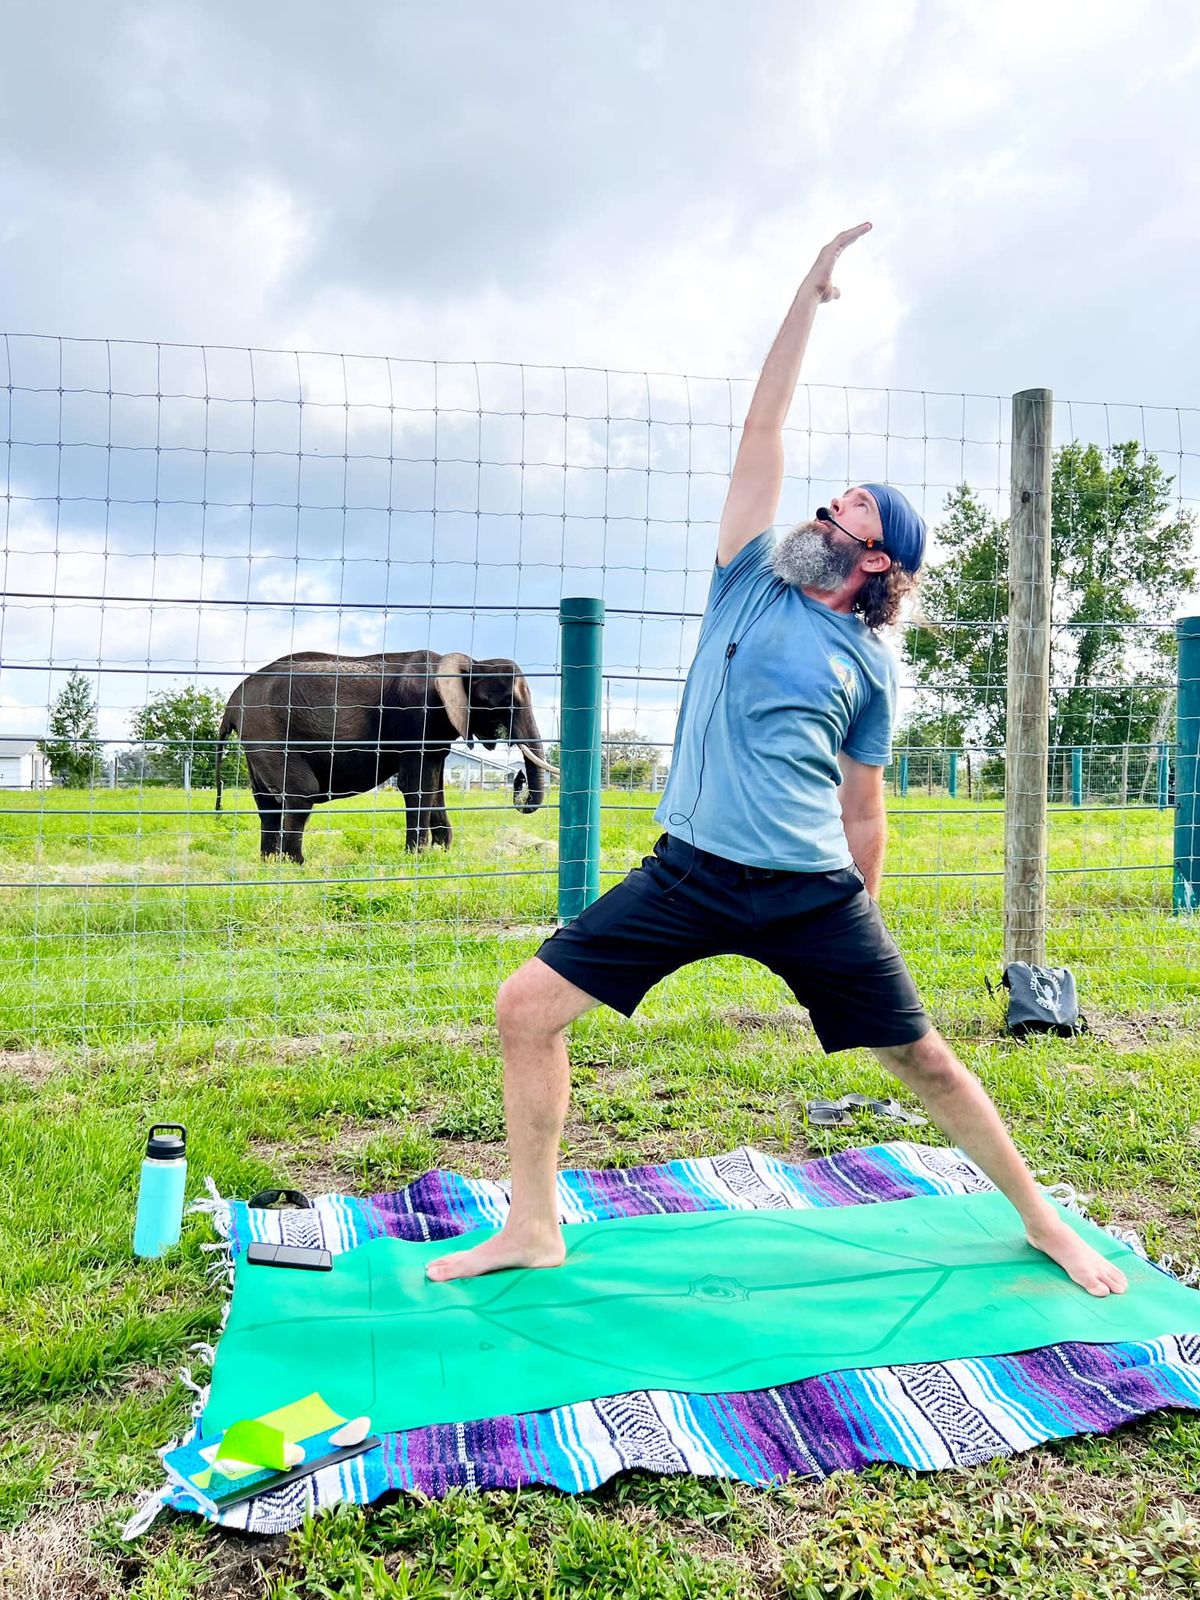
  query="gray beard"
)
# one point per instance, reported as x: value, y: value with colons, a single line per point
x: 807, y: 559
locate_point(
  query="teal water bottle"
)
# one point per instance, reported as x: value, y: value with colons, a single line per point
x: 160, y: 1193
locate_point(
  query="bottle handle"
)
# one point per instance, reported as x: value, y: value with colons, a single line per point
x: 177, y: 1126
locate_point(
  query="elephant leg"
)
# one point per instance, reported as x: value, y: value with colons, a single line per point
x: 291, y: 789
x: 270, y: 815
x: 416, y: 830
x: 408, y: 782
x: 297, y: 808
x: 439, y: 822
x: 417, y: 833
x: 433, y: 798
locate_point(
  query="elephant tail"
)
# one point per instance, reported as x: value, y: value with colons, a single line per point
x: 228, y: 726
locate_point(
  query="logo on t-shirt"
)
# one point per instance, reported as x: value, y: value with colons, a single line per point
x: 844, y: 669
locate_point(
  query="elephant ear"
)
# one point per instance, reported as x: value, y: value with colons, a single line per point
x: 452, y: 672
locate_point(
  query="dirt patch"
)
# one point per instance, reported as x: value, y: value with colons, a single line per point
x: 145, y: 1380
x: 1126, y: 1032
x: 303, y: 1046
x: 476, y: 1158
x: 92, y: 871
x: 316, y: 1166
x: 34, y: 1067
x: 510, y: 844
x: 586, y: 1146
x: 1139, y: 1207
x: 50, y: 1556
x: 474, y: 1035
x: 241, y: 1566
x: 746, y: 1020
x: 327, y: 1166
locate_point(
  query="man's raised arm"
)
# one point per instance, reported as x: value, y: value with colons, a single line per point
x: 754, y: 489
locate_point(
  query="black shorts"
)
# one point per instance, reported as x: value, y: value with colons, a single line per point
x: 819, y: 931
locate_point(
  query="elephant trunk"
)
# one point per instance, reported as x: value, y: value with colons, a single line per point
x: 529, y: 788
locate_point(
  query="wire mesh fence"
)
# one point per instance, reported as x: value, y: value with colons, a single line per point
x: 187, y: 525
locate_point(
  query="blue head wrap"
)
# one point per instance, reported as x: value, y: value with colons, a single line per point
x: 903, y: 528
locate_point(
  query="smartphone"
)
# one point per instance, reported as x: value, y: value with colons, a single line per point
x: 309, y: 1258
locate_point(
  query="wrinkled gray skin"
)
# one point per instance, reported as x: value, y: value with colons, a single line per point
x: 317, y: 727
x: 808, y: 558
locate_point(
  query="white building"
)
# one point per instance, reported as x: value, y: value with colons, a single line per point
x: 474, y: 770
x: 22, y: 765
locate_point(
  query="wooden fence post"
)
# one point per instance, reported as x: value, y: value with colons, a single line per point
x: 1028, y: 723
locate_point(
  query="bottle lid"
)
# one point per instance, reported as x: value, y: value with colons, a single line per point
x: 166, y: 1145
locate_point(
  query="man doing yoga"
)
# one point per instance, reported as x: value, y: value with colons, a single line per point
x: 775, y: 828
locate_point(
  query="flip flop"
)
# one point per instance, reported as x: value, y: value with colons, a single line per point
x: 833, y: 1113
x: 899, y: 1113
x: 827, y: 1113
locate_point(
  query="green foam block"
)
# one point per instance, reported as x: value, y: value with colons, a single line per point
x: 701, y: 1301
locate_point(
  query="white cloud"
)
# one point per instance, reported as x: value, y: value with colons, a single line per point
x: 553, y: 186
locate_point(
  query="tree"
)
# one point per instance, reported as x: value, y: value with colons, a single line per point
x: 178, y: 725
x: 1117, y: 557
x: 140, y: 765
x: 933, y: 734
x: 627, y: 760
x: 73, y: 750
x: 961, y: 657
x: 1118, y: 563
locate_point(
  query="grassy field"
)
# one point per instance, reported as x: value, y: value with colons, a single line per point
x: 330, y: 1027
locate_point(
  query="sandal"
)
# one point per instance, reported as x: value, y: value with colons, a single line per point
x: 832, y: 1113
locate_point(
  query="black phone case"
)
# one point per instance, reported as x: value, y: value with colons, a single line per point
x: 308, y: 1258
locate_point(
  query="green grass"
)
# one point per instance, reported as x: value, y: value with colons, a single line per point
x: 128, y: 914
x: 338, y: 1035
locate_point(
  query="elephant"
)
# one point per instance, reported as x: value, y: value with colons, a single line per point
x: 315, y: 726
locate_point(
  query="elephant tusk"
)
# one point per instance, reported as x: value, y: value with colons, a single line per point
x: 537, y: 761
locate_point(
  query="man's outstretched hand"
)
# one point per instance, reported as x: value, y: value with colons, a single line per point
x: 820, y: 276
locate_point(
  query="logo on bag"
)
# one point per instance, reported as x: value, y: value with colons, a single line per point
x: 1046, y: 988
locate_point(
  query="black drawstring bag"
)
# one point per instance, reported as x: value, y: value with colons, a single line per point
x: 1040, y: 1000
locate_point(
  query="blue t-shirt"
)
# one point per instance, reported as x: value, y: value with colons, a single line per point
x: 804, y: 683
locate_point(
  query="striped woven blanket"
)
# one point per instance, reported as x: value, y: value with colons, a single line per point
x: 952, y: 1413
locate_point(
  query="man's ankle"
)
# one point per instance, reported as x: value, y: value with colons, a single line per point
x: 532, y: 1225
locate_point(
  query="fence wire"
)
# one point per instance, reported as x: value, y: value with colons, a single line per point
x: 182, y: 522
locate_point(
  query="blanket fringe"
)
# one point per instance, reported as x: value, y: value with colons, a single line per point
x: 1188, y: 1272
x: 148, y: 1508
x: 1068, y: 1195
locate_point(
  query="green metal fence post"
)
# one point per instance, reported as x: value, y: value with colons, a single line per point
x: 1077, y: 777
x: 904, y: 774
x: 952, y: 781
x: 1186, y: 894
x: 1164, y: 777
x: 582, y: 625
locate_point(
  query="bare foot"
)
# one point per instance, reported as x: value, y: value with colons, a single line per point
x: 499, y: 1253
x: 1085, y: 1266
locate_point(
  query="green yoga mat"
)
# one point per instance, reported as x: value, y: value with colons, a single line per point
x: 701, y: 1302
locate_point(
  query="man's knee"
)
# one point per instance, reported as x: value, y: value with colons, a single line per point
x: 538, y: 1002
x: 513, y: 1000
x: 924, y: 1063
x: 533, y: 1000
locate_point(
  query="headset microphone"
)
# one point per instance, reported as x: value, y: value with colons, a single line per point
x: 825, y: 515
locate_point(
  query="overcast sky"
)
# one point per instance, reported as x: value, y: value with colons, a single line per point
x: 611, y: 185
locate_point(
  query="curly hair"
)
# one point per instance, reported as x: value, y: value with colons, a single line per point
x: 879, y: 600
